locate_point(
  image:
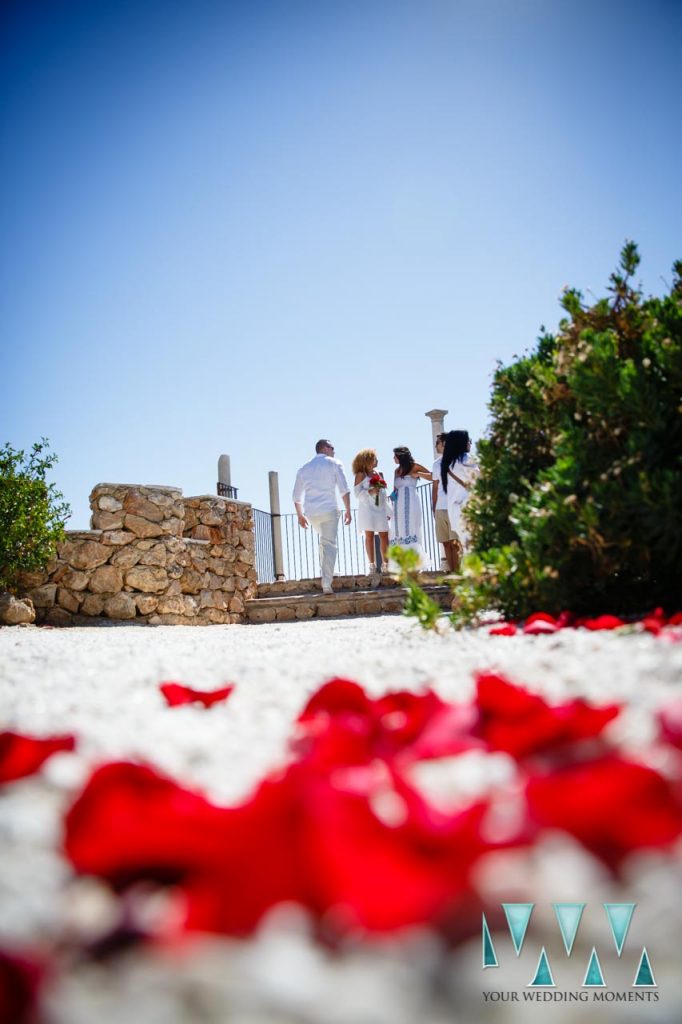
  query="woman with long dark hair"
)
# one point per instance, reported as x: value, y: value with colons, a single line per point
x: 458, y: 474
x: 407, y: 519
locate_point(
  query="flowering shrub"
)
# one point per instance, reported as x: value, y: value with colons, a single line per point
x: 577, y: 505
x: 32, y: 513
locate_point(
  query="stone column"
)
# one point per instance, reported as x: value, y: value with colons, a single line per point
x: 224, y: 471
x: 276, y: 522
x: 437, y: 417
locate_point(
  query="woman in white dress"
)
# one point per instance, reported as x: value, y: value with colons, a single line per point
x: 458, y: 474
x: 407, y: 531
x: 372, y: 505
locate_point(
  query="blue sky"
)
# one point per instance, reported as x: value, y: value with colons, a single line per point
x: 238, y: 227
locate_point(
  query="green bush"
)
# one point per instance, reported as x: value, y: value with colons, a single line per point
x: 32, y: 513
x: 578, y: 503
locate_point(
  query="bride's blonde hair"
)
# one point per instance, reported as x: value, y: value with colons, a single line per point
x: 364, y: 461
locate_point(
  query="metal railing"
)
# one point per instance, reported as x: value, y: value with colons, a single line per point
x: 226, y: 490
x: 300, y: 548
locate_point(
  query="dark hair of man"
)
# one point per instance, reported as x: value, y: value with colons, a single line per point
x: 441, y: 437
x: 456, y: 446
x: 405, y: 460
x: 320, y: 445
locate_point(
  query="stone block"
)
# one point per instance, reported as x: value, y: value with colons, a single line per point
x: 126, y: 557
x: 87, y: 554
x: 146, y: 604
x: 191, y: 581
x: 14, y: 611
x: 68, y: 601
x: 147, y: 578
x: 73, y: 579
x: 136, y: 504
x: 58, y: 617
x: 107, y: 579
x: 118, y: 538
x: 155, y: 555
x: 43, y: 597
x: 106, y: 520
x: 120, y: 606
x: 93, y: 604
x: 107, y: 503
x: 142, y: 527
x: 170, y: 606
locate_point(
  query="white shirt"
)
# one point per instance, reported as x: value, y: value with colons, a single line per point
x: 441, y: 497
x: 316, y: 484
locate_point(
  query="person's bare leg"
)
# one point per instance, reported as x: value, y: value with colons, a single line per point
x: 452, y: 555
x: 369, y: 546
x: 383, y: 541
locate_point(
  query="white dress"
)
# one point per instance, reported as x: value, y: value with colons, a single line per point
x: 406, y: 523
x: 458, y: 496
x: 371, y: 516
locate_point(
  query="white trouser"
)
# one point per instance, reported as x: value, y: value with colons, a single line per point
x: 327, y: 526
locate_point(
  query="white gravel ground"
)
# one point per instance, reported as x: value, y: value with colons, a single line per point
x: 102, y: 684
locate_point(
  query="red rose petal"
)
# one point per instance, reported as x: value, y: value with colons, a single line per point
x: 540, y: 626
x: 20, y: 980
x: 177, y: 694
x: 612, y: 806
x: 505, y: 629
x: 603, y: 622
x: 522, y: 723
x: 670, y: 722
x: 23, y: 755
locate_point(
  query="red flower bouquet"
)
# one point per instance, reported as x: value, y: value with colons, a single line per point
x: 377, y: 481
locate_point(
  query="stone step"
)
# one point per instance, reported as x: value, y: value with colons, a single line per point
x: 375, y: 581
x: 343, y: 603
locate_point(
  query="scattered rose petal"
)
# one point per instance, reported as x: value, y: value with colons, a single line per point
x: 504, y: 629
x: 602, y: 622
x: 23, y: 755
x: 19, y: 983
x: 612, y: 806
x: 177, y: 694
x: 670, y: 722
x: 522, y: 723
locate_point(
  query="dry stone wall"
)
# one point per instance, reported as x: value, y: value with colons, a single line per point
x: 152, y: 556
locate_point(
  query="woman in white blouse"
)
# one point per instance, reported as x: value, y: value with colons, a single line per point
x: 372, y: 506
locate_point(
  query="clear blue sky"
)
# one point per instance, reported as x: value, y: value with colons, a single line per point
x: 237, y: 227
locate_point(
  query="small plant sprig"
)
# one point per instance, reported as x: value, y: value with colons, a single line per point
x: 418, y: 604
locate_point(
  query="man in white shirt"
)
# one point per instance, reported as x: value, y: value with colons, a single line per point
x: 445, y: 535
x: 315, y: 489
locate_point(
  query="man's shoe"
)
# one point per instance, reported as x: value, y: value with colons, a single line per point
x: 327, y: 590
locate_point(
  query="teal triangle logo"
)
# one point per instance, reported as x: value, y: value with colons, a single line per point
x: 489, y: 957
x: 619, y: 915
x: 568, y: 915
x: 518, y: 916
x: 645, y: 976
x: 593, y: 975
x: 543, y: 973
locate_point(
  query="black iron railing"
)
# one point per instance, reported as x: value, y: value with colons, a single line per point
x: 300, y: 548
x: 226, y: 491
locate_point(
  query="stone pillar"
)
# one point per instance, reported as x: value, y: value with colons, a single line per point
x: 224, y: 471
x: 437, y: 417
x: 276, y: 522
